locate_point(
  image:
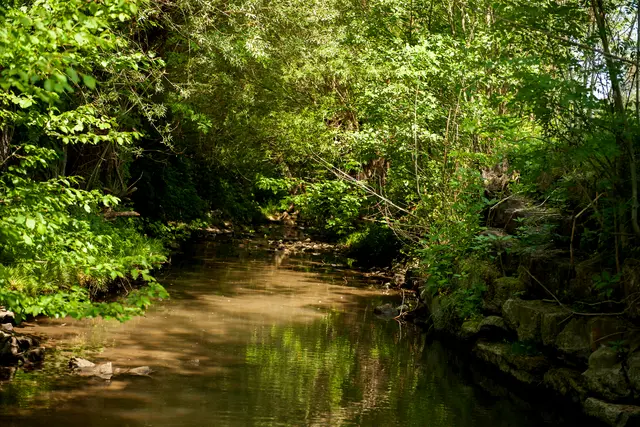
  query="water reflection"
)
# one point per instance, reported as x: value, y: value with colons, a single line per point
x: 251, y: 341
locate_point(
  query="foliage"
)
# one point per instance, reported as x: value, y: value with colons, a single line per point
x: 375, y: 245
x: 69, y: 80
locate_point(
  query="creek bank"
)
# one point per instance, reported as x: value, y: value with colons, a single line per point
x: 550, y: 349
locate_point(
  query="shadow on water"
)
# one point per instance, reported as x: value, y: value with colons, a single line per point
x: 249, y: 340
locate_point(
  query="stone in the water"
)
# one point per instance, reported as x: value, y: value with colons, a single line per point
x: 142, y: 371
x: 387, y: 311
x: 80, y: 363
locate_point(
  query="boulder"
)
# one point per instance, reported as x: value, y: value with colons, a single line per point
x: 7, y: 316
x: 535, y: 321
x: 566, y: 382
x: 574, y: 339
x: 605, y: 376
x: 612, y: 414
x: 583, y: 335
x: 527, y: 369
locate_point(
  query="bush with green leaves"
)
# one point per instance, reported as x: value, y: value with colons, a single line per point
x: 57, y: 251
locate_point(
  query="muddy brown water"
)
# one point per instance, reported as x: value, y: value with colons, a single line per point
x: 254, y: 339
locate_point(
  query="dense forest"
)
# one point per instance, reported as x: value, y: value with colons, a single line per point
x: 468, y: 137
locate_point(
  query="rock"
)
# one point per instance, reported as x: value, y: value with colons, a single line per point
x: 79, y: 363
x: 7, y: 327
x: 581, y: 336
x: 527, y: 369
x: 104, y: 370
x: 386, y: 311
x: 84, y: 368
x: 633, y: 371
x: 499, y: 291
x: 7, y: 372
x: 574, y: 339
x: 34, y: 355
x: 566, y: 382
x: 492, y: 327
x: 141, y: 371
x: 535, y: 320
x: 470, y: 329
x: 15, y: 348
x: 7, y: 316
x: 612, y: 414
x: 605, y: 376
x: 9, y: 349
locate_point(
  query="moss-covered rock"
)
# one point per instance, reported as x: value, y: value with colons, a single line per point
x: 525, y: 368
x: 605, y: 376
x: 535, y: 320
x: 633, y: 371
x: 583, y: 335
x: 612, y: 414
x: 566, y: 382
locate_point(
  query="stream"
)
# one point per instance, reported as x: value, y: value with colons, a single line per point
x: 251, y: 338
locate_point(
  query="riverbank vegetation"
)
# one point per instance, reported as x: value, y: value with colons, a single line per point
x: 480, y: 140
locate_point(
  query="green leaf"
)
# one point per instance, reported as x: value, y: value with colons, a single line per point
x: 30, y: 223
x: 89, y: 81
x: 87, y: 208
x: 73, y: 75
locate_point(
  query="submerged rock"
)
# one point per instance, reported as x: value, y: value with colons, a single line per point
x: 388, y: 310
x: 80, y: 363
x: 86, y: 368
x: 141, y: 371
x: 612, y: 414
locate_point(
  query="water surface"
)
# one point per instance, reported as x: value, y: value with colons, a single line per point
x: 255, y: 339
